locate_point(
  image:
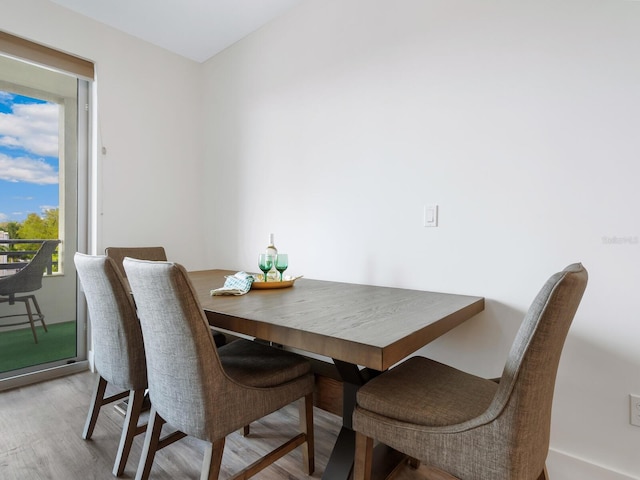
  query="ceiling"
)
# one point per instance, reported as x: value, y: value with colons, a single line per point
x: 196, y: 29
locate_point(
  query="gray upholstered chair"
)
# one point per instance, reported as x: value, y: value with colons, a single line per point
x: 153, y: 254
x: 204, y: 391
x: 27, y: 280
x: 467, y: 426
x: 117, y: 345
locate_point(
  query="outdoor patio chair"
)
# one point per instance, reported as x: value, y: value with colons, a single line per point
x: 27, y: 280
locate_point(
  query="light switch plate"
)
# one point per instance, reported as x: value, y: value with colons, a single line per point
x: 431, y: 215
x: 634, y: 410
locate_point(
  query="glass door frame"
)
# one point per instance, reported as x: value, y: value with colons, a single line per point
x: 82, y: 173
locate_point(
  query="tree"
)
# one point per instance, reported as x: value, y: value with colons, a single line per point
x: 38, y: 228
x: 11, y: 228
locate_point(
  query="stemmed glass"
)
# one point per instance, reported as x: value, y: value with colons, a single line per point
x: 265, y: 262
x: 282, y: 262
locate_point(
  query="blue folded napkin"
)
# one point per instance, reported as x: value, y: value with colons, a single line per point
x: 237, y: 284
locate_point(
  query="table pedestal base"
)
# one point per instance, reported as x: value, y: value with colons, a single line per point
x: 341, y: 461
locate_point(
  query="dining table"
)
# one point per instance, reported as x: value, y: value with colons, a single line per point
x: 362, y: 329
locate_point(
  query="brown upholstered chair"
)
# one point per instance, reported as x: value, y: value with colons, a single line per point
x: 204, y: 391
x: 153, y: 254
x: 117, y: 345
x: 467, y: 426
x: 118, y: 254
x: 28, y: 280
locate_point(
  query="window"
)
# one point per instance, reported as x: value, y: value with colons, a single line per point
x: 29, y: 175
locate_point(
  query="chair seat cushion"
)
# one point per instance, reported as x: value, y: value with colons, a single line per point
x: 257, y: 365
x: 425, y: 392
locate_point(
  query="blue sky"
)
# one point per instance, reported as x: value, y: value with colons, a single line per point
x: 28, y: 156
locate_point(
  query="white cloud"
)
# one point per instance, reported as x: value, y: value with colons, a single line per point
x: 27, y: 170
x: 4, y: 217
x: 33, y: 127
x: 6, y: 97
x: 11, y: 142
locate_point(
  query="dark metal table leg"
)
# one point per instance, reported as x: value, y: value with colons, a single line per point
x: 340, y: 462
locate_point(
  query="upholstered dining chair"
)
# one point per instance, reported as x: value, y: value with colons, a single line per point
x: 118, y: 254
x: 117, y: 345
x: 204, y: 391
x: 153, y: 254
x: 28, y: 280
x: 467, y: 426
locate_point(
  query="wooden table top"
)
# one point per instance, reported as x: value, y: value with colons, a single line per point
x: 366, y: 325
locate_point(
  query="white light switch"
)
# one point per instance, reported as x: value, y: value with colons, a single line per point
x: 431, y: 215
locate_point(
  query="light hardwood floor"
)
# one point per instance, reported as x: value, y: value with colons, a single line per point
x: 41, y: 426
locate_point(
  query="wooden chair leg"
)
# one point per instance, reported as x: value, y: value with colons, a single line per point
x: 363, y: 457
x: 94, y: 409
x: 129, y: 430
x: 151, y: 444
x: 544, y: 475
x: 306, y: 426
x: 246, y: 430
x: 212, y: 460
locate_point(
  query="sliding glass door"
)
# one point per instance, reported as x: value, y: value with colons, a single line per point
x: 43, y: 120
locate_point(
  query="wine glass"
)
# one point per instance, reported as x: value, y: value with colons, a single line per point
x: 282, y: 262
x: 265, y: 262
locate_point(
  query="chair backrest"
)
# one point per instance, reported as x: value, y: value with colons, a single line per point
x: 184, y: 370
x: 522, y: 405
x: 29, y: 279
x: 143, y: 253
x: 118, y: 347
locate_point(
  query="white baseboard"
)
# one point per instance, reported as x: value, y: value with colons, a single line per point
x: 563, y: 466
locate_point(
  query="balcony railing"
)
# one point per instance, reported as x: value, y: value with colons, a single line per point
x: 12, y: 261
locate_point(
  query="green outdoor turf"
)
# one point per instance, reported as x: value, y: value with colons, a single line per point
x: 18, y: 350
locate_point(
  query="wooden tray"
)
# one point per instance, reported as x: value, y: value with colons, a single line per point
x: 260, y: 285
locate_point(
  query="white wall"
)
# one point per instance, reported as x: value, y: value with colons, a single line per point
x: 149, y: 122
x: 333, y: 126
